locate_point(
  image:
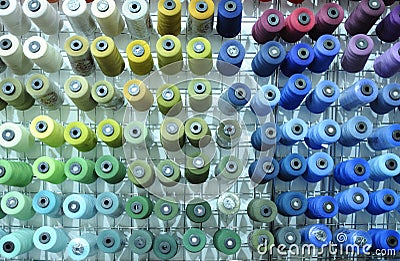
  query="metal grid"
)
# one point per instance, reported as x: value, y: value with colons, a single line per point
x: 241, y: 223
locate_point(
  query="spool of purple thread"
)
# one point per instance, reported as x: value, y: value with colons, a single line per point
x: 327, y: 19
x: 388, y: 64
x: 364, y: 16
x: 388, y: 30
x: 268, y: 26
x: 357, y: 52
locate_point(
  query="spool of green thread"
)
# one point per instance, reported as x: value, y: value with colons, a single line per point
x: 137, y: 134
x: 110, y: 169
x: 80, y: 170
x: 229, y: 168
x: 227, y: 241
x: 166, y: 209
x: 17, y: 205
x: 172, y: 134
x: 228, y: 133
x: 197, y: 132
x: 194, y: 240
x: 165, y: 246
x: 169, y: 100
x: 139, y: 207
x: 198, y: 210
x: 262, y: 210
x: 14, y: 93
x: 49, y: 169
x: 168, y: 173
x: 14, y: 173
x: 141, y: 174
x: 200, y: 95
x: 260, y: 240
x: 197, y: 169
x: 141, y: 241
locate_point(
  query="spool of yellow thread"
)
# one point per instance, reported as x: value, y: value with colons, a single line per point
x: 169, y: 54
x: 110, y: 132
x: 201, y: 17
x: 139, y: 57
x: 199, y: 55
x: 169, y: 17
x: 107, y: 96
x: 107, y: 56
x: 47, y: 131
x: 138, y: 95
x: 80, y: 136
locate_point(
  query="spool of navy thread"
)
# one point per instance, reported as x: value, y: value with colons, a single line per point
x: 268, y: 26
x: 324, y: 133
x: 230, y: 57
x: 321, y: 207
x: 293, y: 131
x: 357, y: 53
x: 352, y: 171
x: 265, y: 100
x: 324, y: 94
x: 385, y: 239
x: 364, y: 16
x: 229, y: 18
x: 388, y: 99
x: 352, y: 200
x: 319, y: 165
x: 263, y: 170
x: 359, y: 94
x: 384, y: 138
x: 291, y: 204
x: 387, y: 64
x: 318, y: 234
x: 234, y: 98
x: 292, y: 166
x: 382, y: 201
x: 355, y: 130
x: 388, y: 30
x: 297, y: 59
x: 358, y: 241
x: 325, y: 50
x: 48, y: 203
x: 268, y: 59
x: 294, y: 91
x: 327, y: 19
x: 266, y: 136
x: 384, y: 166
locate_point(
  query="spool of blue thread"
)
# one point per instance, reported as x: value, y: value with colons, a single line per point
x: 352, y: 200
x: 355, y: 130
x: 319, y: 165
x: 50, y: 239
x: 358, y: 241
x: 265, y: 100
x: 387, y: 100
x: 359, y: 94
x: 294, y: 91
x: 352, y: 171
x: 318, y: 234
x: 234, y: 98
x: 293, y: 131
x: 325, y: 50
x: 268, y: 59
x: 82, y: 247
x: 291, y: 204
x: 109, y: 204
x: 384, y: 166
x: 230, y: 57
x: 229, y: 18
x: 385, y: 239
x: 382, y: 201
x: 292, y: 166
x: 48, y: 203
x: 263, y: 170
x: 297, y: 59
x: 80, y: 206
x: 324, y: 133
x: 111, y: 241
x: 266, y: 136
x: 321, y: 207
x: 385, y: 138
x: 324, y: 94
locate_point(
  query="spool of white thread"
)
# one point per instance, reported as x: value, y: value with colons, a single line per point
x: 14, y: 18
x: 79, y: 16
x: 108, y: 17
x: 44, y: 15
x: 137, y: 18
x: 16, y: 137
x: 13, y: 56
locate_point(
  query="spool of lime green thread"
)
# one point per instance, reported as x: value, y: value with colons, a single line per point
x: 17, y: 205
x: 80, y: 170
x: 110, y: 169
x: 14, y: 173
x: 49, y: 169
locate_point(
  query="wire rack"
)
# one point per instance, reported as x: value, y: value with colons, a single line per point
x: 241, y: 223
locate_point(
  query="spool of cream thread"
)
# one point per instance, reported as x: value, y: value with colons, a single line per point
x: 13, y: 56
x: 108, y: 17
x: 16, y: 137
x: 44, y: 15
x: 78, y: 15
x: 14, y: 19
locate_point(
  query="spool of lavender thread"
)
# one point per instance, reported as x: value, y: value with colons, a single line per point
x: 388, y: 30
x: 268, y: 26
x: 357, y: 52
x: 364, y: 16
x: 327, y: 20
x: 388, y: 64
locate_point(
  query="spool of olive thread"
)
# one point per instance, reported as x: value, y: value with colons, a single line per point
x: 13, y: 92
x: 77, y: 88
x: 141, y: 174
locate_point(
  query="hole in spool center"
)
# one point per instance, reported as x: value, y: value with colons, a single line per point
x: 8, y: 247
x: 44, y: 238
x: 392, y: 241
x: 388, y: 199
x: 396, y: 135
x: 391, y: 164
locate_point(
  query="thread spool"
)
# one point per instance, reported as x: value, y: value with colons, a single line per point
x: 13, y: 93
x: 388, y: 99
x: 110, y: 169
x: 165, y: 246
x: 138, y: 135
x: 385, y: 239
x: 197, y: 169
x: 12, y: 16
x: 327, y: 19
x: 169, y: 17
x: 198, y: 133
x: 356, y: 53
x: 359, y: 94
x: 107, y: 55
x: 260, y: 240
x: 384, y: 166
x: 293, y: 131
x: 141, y: 241
x: 139, y: 207
x: 107, y: 95
x: 17, y: 243
x: 49, y: 169
x: 11, y: 52
x: 228, y: 205
x: 48, y: 203
x: 268, y: 59
x: 78, y: 15
x: 263, y: 170
x: 323, y: 95
x: 325, y: 50
x: 229, y: 18
x: 200, y: 95
x: 199, y: 56
x: 352, y: 240
x: 364, y: 16
x: 297, y: 204
x: 194, y: 240
x: 292, y: 166
x: 262, y: 210
x: 80, y: 136
x: 169, y: 100
x: 82, y: 247
x: 17, y: 205
x: 384, y: 138
x: 355, y: 130
x: 287, y: 237
x: 294, y: 91
x: 139, y: 57
x: 234, y: 98
x: 166, y: 209
x: 321, y: 207
x: 172, y: 134
x: 77, y: 88
x: 318, y: 235
x: 141, y: 174
x: 198, y: 210
x: 297, y: 24
x: 230, y: 57
x: 50, y: 239
x: 79, y: 54
x: 227, y: 241
x: 324, y: 133
x: 110, y: 132
x: 319, y: 165
x: 15, y: 173
x: 297, y: 59
x: 268, y: 26
x: 111, y: 241
x: 108, y: 17
x: 169, y: 54
x: 352, y: 171
x: 265, y: 100
x: 201, y: 17
x: 352, y: 200
x: 386, y: 65
x: 138, y: 95
x: 45, y: 91
x: 382, y: 201
x: 168, y: 173
x: 16, y: 137
x: 228, y: 134
x: 80, y: 206
x: 229, y: 168
x: 137, y: 18
x: 48, y: 131
x: 388, y: 29
x: 109, y: 204
x: 43, y: 15
x: 80, y: 170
